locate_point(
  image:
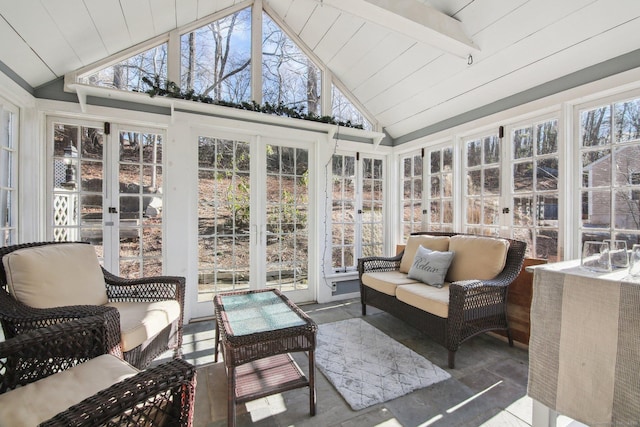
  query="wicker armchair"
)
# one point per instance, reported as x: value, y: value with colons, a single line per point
x: 474, y: 307
x: 17, y: 317
x: 56, y: 355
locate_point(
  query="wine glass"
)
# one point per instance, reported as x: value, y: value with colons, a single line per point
x: 596, y: 256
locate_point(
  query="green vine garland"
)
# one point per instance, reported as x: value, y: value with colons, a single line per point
x: 172, y: 90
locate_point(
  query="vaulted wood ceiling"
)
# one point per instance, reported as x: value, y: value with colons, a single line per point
x: 404, y: 80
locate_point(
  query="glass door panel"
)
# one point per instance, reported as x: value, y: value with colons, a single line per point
x: 78, y: 176
x: 224, y: 201
x: 287, y: 237
x: 140, y: 203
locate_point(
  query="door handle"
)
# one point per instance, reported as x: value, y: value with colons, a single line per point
x: 113, y: 210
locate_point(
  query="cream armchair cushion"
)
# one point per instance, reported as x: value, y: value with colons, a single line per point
x: 36, y: 402
x: 55, y: 275
x: 140, y: 321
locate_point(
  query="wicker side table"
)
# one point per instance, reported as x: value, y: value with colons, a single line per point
x: 257, y: 331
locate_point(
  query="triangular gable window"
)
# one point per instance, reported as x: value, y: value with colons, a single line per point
x: 216, y: 58
x: 128, y: 74
x: 289, y: 77
x: 344, y: 110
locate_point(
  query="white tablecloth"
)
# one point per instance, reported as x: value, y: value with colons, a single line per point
x: 584, y: 351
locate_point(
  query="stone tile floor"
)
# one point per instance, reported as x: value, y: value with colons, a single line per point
x: 487, y: 388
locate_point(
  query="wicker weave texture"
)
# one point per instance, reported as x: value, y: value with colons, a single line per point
x: 474, y: 306
x: 161, y: 396
x: 17, y: 318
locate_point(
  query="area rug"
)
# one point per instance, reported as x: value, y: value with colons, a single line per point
x: 367, y: 366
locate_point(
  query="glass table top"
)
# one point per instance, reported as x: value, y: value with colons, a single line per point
x: 258, y: 312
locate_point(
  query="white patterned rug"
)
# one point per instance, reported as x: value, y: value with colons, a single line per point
x: 367, y: 366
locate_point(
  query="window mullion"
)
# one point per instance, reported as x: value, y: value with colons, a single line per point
x: 256, y: 51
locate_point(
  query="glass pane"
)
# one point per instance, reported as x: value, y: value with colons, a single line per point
x: 435, y: 186
x: 522, y: 143
x: 435, y: 161
x: 522, y: 211
x: 596, y: 173
x: 627, y: 164
x: 547, y: 137
x: 447, y: 212
x: 447, y: 185
x: 474, y: 179
x: 523, y: 176
x: 474, y: 211
x: 491, y: 211
x: 547, y: 210
x: 216, y: 59
x: 491, y: 150
x: 435, y: 212
x: 474, y: 153
x: 595, y: 127
x: 492, y: 181
x: 547, y: 245
x: 447, y: 159
x: 627, y: 210
x: 547, y: 174
x: 627, y: 123
x: 596, y: 209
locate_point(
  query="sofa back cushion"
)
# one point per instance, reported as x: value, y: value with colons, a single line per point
x: 55, y: 275
x: 435, y: 243
x: 477, y: 257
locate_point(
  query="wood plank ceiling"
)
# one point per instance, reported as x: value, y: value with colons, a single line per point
x: 406, y: 84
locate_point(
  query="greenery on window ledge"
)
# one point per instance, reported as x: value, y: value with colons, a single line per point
x: 172, y: 90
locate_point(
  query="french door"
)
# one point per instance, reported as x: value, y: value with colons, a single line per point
x: 105, y: 183
x: 253, y: 216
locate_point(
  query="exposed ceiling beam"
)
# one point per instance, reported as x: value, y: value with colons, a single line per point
x: 419, y: 21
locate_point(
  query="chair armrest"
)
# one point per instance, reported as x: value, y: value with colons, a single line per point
x: 467, y: 295
x: 17, y: 318
x: 147, y: 289
x: 369, y: 264
x: 162, y: 396
x: 42, y: 352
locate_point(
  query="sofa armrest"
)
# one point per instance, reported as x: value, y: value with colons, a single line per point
x: 369, y: 264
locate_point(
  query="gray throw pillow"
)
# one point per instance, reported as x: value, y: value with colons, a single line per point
x: 430, y: 267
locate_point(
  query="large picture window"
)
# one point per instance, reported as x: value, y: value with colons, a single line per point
x: 609, y: 148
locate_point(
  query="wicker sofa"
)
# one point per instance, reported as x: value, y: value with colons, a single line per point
x: 62, y: 375
x: 472, y: 301
x: 44, y: 283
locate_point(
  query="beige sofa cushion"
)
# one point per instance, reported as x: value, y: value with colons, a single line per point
x: 55, y: 275
x: 386, y: 281
x: 435, y: 243
x: 426, y: 298
x: 477, y: 257
x: 140, y: 321
x: 34, y: 403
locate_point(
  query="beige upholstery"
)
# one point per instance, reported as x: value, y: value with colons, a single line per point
x: 140, y: 321
x: 55, y: 275
x: 34, y: 403
x: 386, y: 281
x: 435, y: 243
x: 426, y: 298
x: 476, y: 257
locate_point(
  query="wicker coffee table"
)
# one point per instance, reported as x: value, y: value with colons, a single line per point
x: 258, y: 330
